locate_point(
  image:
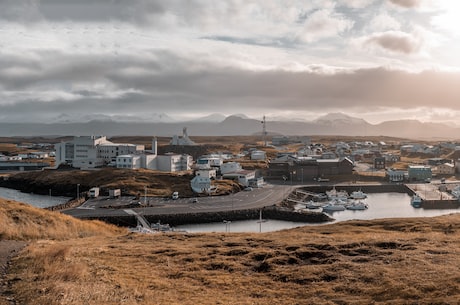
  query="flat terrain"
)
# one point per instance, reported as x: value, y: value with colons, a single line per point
x: 389, y: 261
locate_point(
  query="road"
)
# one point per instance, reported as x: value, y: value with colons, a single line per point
x: 268, y: 195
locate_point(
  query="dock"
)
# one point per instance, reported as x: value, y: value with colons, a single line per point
x: 434, y: 196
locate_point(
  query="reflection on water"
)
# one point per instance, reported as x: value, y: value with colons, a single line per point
x: 384, y: 205
x: 41, y: 201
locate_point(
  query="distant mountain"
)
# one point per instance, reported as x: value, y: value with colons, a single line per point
x: 339, y: 118
x: 155, y: 117
x: 214, y: 117
x: 329, y: 124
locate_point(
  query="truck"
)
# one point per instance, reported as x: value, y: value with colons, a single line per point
x: 94, y: 192
x: 175, y: 195
x: 115, y: 193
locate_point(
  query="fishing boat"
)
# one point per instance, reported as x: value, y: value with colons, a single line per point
x: 357, y: 206
x: 334, y: 205
x: 313, y: 205
x: 334, y: 194
x: 358, y: 195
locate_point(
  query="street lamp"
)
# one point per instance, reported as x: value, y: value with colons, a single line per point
x: 227, y: 225
x: 78, y: 192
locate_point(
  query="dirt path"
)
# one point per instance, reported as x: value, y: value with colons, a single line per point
x: 8, y: 249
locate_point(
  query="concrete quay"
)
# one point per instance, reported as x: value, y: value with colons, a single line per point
x: 434, y: 196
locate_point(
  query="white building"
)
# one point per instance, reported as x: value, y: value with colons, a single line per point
x: 170, y: 162
x: 129, y: 161
x: 109, y: 151
x: 258, y: 155
x: 208, y: 162
x: 92, y: 151
x: 230, y: 167
x: 206, y: 173
x: 201, y: 185
x: 184, y: 140
x: 243, y: 177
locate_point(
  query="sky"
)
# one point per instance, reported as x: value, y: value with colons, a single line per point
x: 147, y: 60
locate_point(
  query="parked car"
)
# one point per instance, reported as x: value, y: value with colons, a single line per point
x: 248, y: 188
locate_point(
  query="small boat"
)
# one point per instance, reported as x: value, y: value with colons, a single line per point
x: 357, y: 206
x: 334, y: 194
x: 416, y: 201
x: 456, y: 192
x: 313, y: 205
x: 358, y: 195
x: 334, y: 205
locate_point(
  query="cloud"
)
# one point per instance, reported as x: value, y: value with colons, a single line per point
x: 407, y: 3
x: 394, y: 41
x: 356, y: 3
x: 323, y: 24
x: 383, y: 22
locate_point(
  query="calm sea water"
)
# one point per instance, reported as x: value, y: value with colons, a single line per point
x: 41, y: 201
x: 384, y: 205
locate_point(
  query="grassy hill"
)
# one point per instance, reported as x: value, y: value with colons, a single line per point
x: 393, y: 261
x: 21, y: 221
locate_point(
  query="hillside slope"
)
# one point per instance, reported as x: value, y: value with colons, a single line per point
x: 392, y: 261
x: 20, y: 221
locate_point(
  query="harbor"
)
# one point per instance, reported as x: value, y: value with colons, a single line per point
x: 434, y: 196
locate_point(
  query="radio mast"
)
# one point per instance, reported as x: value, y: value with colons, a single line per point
x: 264, y: 131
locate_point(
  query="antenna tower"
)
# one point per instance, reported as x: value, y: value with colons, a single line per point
x: 264, y: 131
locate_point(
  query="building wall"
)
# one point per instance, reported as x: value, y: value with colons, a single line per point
x: 230, y: 167
x: 446, y: 169
x: 149, y: 162
x: 419, y: 173
x: 129, y: 161
x: 109, y: 152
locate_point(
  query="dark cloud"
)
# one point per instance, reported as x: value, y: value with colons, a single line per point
x: 169, y: 83
x: 398, y: 42
x: 406, y: 3
x: 80, y: 11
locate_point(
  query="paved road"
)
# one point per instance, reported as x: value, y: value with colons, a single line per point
x: 259, y: 197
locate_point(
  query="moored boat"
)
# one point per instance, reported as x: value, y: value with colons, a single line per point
x: 358, y: 195
x: 357, y: 206
x: 334, y: 205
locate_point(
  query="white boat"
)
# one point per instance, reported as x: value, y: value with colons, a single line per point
x: 313, y: 205
x: 334, y: 205
x: 357, y: 206
x: 330, y: 207
x: 358, y: 195
x: 416, y: 201
x: 334, y: 194
x: 456, y: 192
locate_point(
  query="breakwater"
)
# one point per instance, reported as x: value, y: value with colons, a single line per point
x: 372, y: 188
x: 275, y: 213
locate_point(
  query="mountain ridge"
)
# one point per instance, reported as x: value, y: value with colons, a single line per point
x: 329, y: 124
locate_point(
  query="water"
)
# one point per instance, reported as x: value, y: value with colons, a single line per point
x: 41, y: 201
x: 381, y: 205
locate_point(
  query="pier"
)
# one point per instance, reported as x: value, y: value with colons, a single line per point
x: 434, y: 196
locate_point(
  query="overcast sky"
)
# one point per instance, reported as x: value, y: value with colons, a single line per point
x: 378, y: 60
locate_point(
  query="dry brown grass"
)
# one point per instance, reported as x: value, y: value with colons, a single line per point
x: 405, y: 261
x: 20, y: 221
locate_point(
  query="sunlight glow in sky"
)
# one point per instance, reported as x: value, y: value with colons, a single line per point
x: 149, y: 60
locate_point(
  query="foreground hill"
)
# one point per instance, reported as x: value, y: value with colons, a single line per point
x: 20, y: 221
x: 394, y: 261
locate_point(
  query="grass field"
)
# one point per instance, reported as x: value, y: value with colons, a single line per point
x: 393, y: 261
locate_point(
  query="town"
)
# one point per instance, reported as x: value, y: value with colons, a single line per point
x: 248, y: 161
